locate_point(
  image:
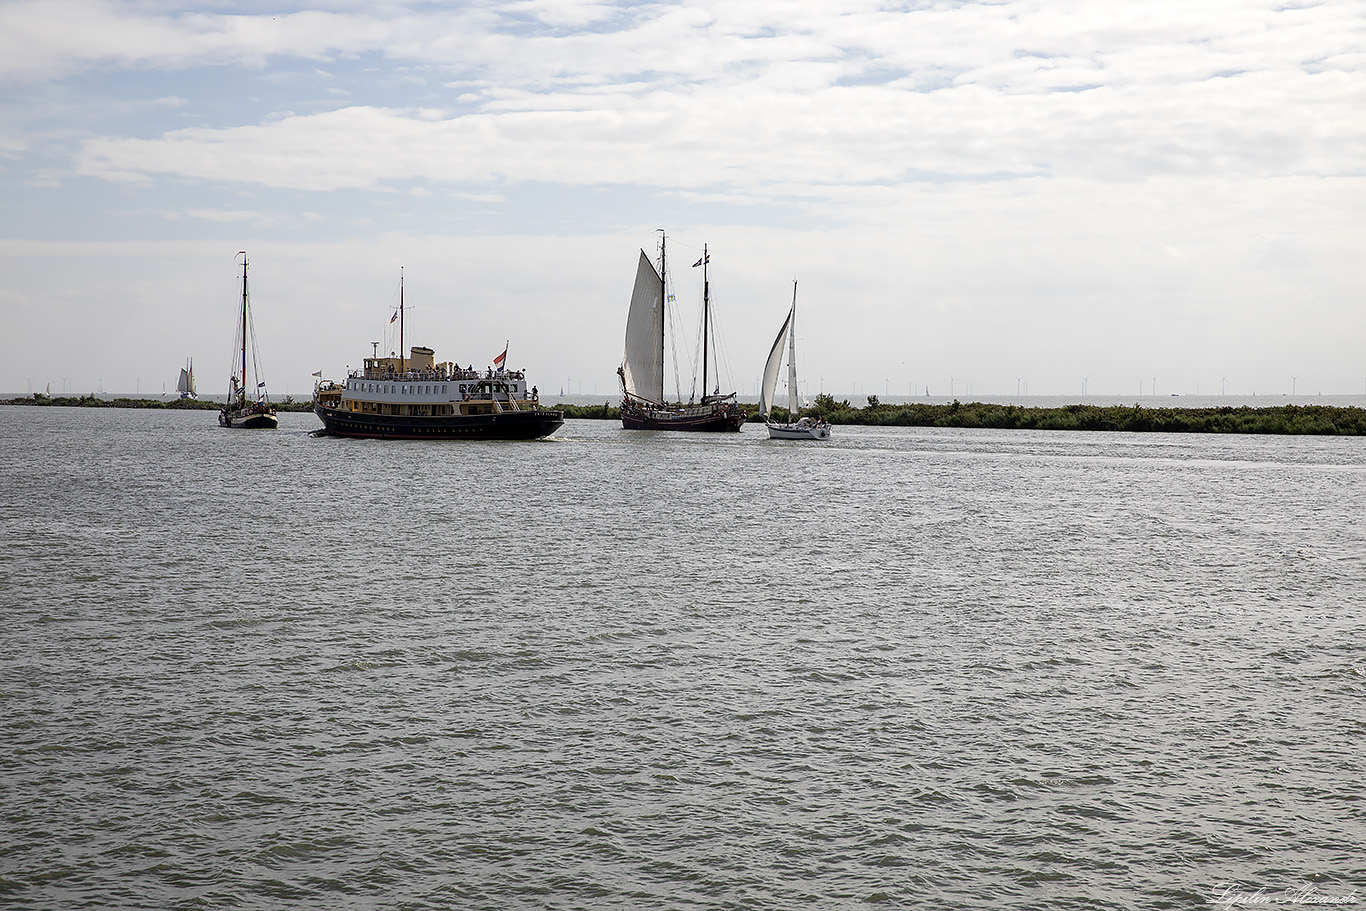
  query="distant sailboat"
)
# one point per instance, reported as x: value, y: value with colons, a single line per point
x: 246, y: 407
x: 796, y: 428
x: 185, y: 386
x: 642, y: 368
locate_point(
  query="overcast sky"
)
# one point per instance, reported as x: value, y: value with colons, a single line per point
x: 1023, y: 194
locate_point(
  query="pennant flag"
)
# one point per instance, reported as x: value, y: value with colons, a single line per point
x: 498, y: 361
x: 394, y: 317
x: 319, y: 374
x: 704, y: 258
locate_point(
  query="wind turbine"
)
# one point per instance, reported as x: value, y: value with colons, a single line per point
x: 1084, y: 381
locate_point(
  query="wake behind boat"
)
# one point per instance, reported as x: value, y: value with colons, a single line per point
x: 801, y: 428
x: 416, y: 398
x: 247, y: 407
x: 642, y: 368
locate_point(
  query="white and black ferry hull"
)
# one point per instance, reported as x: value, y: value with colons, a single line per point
x: 509, y: 425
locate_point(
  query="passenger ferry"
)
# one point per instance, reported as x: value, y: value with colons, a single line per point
x: 417, y: 398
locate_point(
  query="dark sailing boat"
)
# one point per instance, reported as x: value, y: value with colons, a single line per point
x: 247, y: 407
x: 642, y: 368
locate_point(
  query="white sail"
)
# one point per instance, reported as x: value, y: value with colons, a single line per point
x: 775, y: 361
x: 643, y: 363
x: 185, y: 385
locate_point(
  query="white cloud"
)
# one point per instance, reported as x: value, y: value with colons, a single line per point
x: 740, y: 97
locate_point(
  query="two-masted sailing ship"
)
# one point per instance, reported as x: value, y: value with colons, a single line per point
x: 248, y: 406
x: 795, y: 427
x: 417, y: 398
x: 185, y: 385
x: 643, y: 405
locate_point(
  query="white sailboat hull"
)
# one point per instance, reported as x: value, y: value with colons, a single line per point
x: 802, y: 430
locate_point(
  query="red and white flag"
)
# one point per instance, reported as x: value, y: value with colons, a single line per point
x: 498, y: 361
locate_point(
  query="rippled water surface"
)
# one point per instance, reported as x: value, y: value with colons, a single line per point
x: 615, y: 669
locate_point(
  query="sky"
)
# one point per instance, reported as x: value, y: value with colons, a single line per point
x: 1039, y: 196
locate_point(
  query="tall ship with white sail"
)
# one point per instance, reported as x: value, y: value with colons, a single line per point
x: 248, y: 405
x: 185, y: 385
x: 414, y: 397
x: 796, y: 427
x: 643, y: 404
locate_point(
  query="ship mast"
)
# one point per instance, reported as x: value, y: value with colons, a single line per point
x: 793, y: 398
x: 663, y: 311
x: 402, y: 365
x: 244, y: 327
x: 706, y: 317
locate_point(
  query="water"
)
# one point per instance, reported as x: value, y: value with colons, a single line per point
x: 908, y: 668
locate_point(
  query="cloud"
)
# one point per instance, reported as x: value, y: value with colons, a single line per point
x: 739, y: 97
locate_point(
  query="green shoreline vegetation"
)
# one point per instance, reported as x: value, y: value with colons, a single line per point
x: 1321, y: 420
x: 94, y: 401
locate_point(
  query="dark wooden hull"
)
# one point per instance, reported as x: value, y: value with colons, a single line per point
x: 719, y: 418
x: 510, y: 425
x: 248, y: 419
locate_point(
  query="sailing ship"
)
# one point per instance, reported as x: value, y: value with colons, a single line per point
x: 642, y: 369
x: 795, y: 428
x: 416, y: 398
x: 185, y: 385
x: 247, y: 407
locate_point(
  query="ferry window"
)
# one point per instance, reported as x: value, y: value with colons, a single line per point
x: 443, y: 388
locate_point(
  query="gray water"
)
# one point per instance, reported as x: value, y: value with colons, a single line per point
x: 909, y: 668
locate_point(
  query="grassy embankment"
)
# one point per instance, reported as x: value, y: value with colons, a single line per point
x: 94, y: 401
x: 1284, y: 419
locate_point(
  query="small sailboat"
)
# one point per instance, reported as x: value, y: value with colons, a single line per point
x: 643, y: 406
x: 247, y: 406
x: 185, y: 385
x: 796, y: 428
